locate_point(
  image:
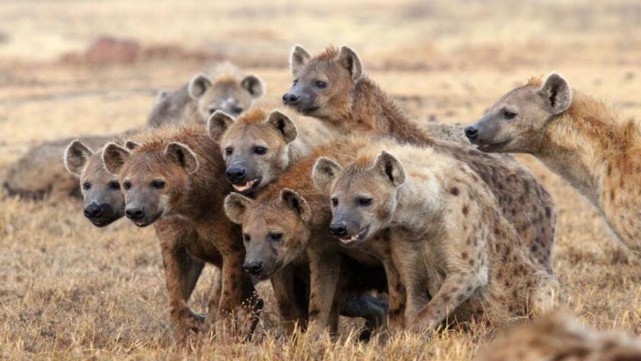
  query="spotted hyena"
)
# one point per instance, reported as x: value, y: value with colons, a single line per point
x: 456, y: 254
x: 221, y: 87
x: 260, y: 145
x: 174, y: 179
x: 578, y: 138
x: 333, y: 87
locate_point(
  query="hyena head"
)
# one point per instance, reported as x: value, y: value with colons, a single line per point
x: 362, y: 196
x: 153, y: 180
x: 517, y: 121
x: 322, y: 85
x: 226, y: 94
x: 255, y: 146
x: 104, y: 202
x: 275, y: 231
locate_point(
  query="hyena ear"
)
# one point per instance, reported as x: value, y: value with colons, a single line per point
x: 349, y: 60
x: 114, y: 157
x: 182, y: 155
x: 253, y: 85
x: 296, y: 203
x: 235, y: 206
x: 557, y: 93
x: 324, y: 172
x: 131, y: 145
x: 76, y: 156
x: 161, y: 95
x: 284, y: 125
x: 297, y: 59
x: 389, y: 167
x: 198, y: 85
x: 218, y: 123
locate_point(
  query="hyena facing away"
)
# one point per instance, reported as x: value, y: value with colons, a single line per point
x: 578, y: 138
x: 333, y: 88
x: 221, y: 87
x: 174, y: 180
x: 457, y: 256
x: 259, y: 146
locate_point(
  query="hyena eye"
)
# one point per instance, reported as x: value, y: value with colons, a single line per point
x: 229, y: 150
x: 363, y: 202
x: 260, y: 150
x: 86, y: 186
x: 246, y: 237
x: 158, y: 184
x: 508, y: 114
x: 320, y: 84
x: 275, y: 236
x: 126, y: 185
x: 237, y: 109
x: 334, y: 202
x: 114, y: 185
x: 212, y: 110
x: 295, y: 81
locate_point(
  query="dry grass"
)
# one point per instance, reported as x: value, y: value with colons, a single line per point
x: 71, y: 291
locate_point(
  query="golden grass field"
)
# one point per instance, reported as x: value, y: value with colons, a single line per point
x: 72, y: 291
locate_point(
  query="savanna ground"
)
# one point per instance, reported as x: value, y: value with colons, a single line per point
x: 72, y: 291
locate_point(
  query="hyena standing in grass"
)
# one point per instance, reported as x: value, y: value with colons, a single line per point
x: 259, y: 146
x: 220, y: 87
x: 333, y: 88
x: 174, y: 180
x: 578, y: 138
x: 456, y: 254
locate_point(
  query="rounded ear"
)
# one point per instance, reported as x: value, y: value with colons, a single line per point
x: 218, y: 123
x: 76, y: 156
x: 114, y: 157
x: 161, y: 95
x: 235, y: 206
x: 389, y: 167
x: 182, y: 155
x: 131, y: 145
x: 283, y: 124
x: 296, y: 203
x: 557, y: 93
x: 198, y: 85
x: 253, y: 85
x: 297, y: 59
x: 349, y: 60
x: 324, y: 172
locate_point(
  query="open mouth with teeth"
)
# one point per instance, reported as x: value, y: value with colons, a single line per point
x: 355, y: 239
x: 247, y: 187
x: 488, y: 147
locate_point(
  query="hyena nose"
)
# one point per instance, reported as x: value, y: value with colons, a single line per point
x: 290, y: 98
x: 235, y: 174
x: 135, y: 213
x: 93, y: 210
x: 253, y: 267
x: 471, y: 132
x: 338, y: 229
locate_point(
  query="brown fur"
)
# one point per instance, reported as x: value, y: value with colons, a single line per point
x: 361, y: 107
x: 577, y: 137
x: 457, y: 256
x: 307, y: 241
x: 189, y: 227
x: 558, y: 336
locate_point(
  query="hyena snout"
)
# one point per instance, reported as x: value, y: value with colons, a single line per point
x: 338, y: 229
x: 94, y: 210
x: 291, y: 99
x: 471, y: 132
x: 254, y: 267
x: 135, y: 213
x: 235, y: 174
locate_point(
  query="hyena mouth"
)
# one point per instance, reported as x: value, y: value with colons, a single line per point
x: 355, y: 239
x: 146, y: 222
x: 247, y: 187
x: 489, y: 147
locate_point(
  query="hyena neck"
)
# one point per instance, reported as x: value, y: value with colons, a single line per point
x: 370, y: 110
x: 580, y: 144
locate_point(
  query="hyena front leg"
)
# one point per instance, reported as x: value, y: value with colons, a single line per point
x: 291, y: 312
x: 324, y: 272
